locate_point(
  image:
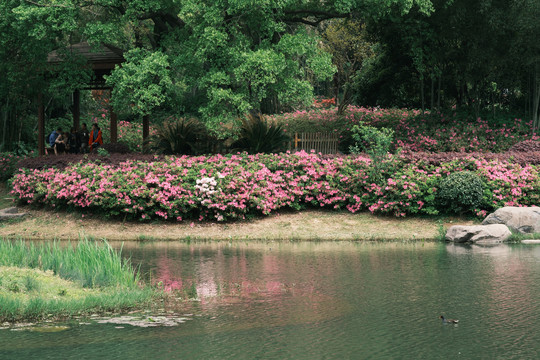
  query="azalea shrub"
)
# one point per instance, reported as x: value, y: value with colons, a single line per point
x: 220, y: 188
x: 8, y: 163
x: 441, y: 133
x: 324, y: 103
x: 413, y: 130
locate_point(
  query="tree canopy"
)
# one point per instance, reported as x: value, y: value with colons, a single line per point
x: 217, y: 60
x: 213, y: 59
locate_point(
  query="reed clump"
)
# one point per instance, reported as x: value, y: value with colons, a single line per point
x: 51, y: 279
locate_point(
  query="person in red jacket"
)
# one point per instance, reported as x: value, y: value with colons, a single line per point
x: 95, y: 139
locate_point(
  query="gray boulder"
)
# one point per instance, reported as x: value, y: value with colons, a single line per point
x: 525, y: 220
x: 478, y: 234
x: 10, y: 213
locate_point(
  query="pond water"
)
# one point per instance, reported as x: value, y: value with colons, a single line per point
x: 319, y: 301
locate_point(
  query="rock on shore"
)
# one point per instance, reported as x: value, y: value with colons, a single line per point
x: 10, y: 213
x: 525, y: 220
x: 479, y: 234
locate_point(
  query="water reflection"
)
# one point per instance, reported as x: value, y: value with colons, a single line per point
x: 496, y: 250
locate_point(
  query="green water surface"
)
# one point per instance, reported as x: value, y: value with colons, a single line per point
x: 319, y: 301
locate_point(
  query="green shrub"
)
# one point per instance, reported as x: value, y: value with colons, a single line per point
x: 102, y: 152
x: 460, y: 192
x: 371, y: 140
x: 376, y: 144
x: 258, y: 136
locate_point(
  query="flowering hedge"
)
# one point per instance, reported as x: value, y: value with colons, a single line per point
x: 239, y: 186
x: 415, y: 131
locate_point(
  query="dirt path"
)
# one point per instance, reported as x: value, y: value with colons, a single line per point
x: 305, y: 225
x: 286, y: 225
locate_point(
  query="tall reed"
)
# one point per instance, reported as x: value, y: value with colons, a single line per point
x: 92, y: 264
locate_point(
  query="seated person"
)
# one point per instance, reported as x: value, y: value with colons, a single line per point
x: 53, y: 136
x: 96, y: 139
x: 60, y: 143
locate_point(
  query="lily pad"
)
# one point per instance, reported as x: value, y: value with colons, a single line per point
x: 144, y: 321
x: 48, y: 328
x: 40, y: 328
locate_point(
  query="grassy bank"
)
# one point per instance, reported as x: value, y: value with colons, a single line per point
x: 286, y: 225
x: 293, y: 226
x: 48, y: 280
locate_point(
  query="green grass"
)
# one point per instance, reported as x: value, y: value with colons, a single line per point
x: 89, y: 263
x: 517, y: 237
x: 51, y: 280
x: 441, y: 231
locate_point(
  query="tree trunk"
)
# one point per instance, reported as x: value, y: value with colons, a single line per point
x: 493, y: 103
x: 345, y: 101
x: 432, y: 99
x: 336, y: 89
x: 41, y: 125
x: 422, y: 93
x: 6, y: 111
x: 146, y: 132
x: 530, y: 87
x: 20, y: 131
x: 458, y: 96
x: 439, y: 95
x: 76, y: 109
x: 536, y: 98
x: 526, y: 98
x: 536, y: 102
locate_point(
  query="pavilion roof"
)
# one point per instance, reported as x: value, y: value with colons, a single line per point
x: 104, y: 56
x: 102, y: 59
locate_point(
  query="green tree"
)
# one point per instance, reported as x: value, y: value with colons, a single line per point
x: 142, y: 83
x: 479, y: 55
x: 346, y: 40
x: 215, y: 59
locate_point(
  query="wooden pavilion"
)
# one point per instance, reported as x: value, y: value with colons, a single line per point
x: 102, y: 61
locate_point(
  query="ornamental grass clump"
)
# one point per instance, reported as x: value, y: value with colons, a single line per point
x: 461, y: 192
x: 39, y: 280
x: 182, y: 136
x: 92, y: 264
x: 257, y: 135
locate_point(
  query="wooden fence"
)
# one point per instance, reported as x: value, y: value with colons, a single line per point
x: 326, y: 143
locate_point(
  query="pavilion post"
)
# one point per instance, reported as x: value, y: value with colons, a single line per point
x: 76, y: 109
x: 146, y: 132
x: 41, y: 125
x: 114, y: 125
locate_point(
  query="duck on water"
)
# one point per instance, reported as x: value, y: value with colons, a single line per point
x: 448, y: 321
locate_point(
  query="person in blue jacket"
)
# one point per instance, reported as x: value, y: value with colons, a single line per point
x: 54, y: 135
